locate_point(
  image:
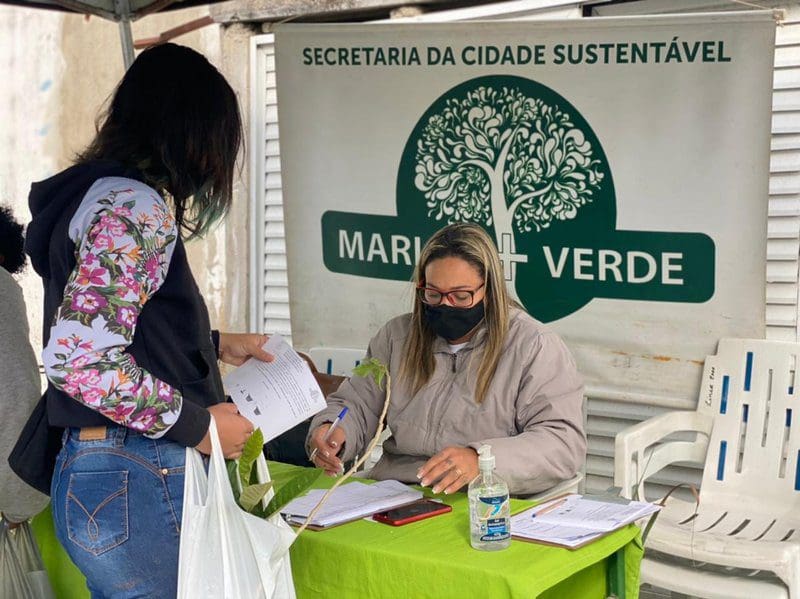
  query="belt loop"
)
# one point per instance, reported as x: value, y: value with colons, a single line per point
x: 120, y: 433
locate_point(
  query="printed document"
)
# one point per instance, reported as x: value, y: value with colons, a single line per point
x: 574, y: 520
x: 277, y: 395
x: 351, y: 501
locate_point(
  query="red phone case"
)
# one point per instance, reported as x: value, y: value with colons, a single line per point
x: 384, y: 517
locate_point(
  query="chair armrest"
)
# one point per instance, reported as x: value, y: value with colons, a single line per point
x: 639, y: 451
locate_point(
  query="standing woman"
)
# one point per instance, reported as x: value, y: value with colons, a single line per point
x: 469, y: 367
x: 130, y: 357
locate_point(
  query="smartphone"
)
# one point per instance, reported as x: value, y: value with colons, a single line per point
x: 419, y: 510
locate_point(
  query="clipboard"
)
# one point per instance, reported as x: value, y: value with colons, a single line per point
x: 648, y: 510
x: 349, y: 503
x: 317, y: 527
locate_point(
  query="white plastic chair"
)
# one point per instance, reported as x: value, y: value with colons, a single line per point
x: 336, y: 360
x: 748, y: 438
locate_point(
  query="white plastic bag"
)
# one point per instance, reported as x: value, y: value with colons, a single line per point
x: 14, y: 583
x: 226, y: 553
x: 31, y: 561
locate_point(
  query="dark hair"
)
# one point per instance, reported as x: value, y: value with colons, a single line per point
x: 175, y: 119
x: 12, y: 241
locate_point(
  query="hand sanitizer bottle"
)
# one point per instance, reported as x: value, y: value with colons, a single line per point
x: 489, y: 508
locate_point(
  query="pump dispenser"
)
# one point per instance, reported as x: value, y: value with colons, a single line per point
x: 489, y: 508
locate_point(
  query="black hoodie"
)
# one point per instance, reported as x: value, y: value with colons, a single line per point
x: 173, y: 338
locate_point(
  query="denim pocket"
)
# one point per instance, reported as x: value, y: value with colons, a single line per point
x: 97, y: 510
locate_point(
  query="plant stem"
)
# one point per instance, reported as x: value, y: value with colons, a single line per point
x: 359, y: 462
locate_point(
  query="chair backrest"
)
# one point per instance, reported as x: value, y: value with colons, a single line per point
x: 336, y: 360
x: 751, y: 391
x: 328, y: 383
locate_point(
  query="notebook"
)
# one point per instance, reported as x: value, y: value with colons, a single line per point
x: 349, y: 502
x: 574, y: 520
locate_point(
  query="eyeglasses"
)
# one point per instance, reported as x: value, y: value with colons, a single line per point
x: 460, y: 298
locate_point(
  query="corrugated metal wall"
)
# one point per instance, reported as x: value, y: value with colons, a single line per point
x: 783, y: 246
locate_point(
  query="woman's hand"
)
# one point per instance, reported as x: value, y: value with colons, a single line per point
x: 233, y: 429
x: 450, y: 469
x: 236, y: 348
x: 328, y: 450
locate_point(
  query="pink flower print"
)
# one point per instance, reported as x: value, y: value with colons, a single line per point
x: 91, y: 276
x: 84, y: 378
x: 91, y: 259
x: 130, y: 284
x: 88, y: 301
x: 104, y: 242
x: 164, y: 391
x: 152, y: 267
x: 126, y: 317
x: 111, y: 225
x: 87, y: 345
x: 143, y: 389
x: 63, y: 342
x: 80, y: 361
x: 92, y: 397
x: 122, y: 411
x: 144, y: 420
x: 122, y: 211
x: 70, y: 389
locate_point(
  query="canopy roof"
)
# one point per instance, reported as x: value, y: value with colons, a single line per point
x: 114, y: 10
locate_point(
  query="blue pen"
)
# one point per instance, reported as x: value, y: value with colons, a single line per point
x: 328, y: 434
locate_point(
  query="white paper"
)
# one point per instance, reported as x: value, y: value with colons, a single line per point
x: 277, y: 395
x: 577, y: 519
x: 350, y: 501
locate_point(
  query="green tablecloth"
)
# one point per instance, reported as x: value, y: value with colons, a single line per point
x: 433, y: 558
x: 66, y: 580
x: 430, y: 558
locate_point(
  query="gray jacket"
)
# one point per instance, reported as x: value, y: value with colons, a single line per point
x: 532, y: 415
x: 20, y: 389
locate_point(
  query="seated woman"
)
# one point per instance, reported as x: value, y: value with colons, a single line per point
x: 468, y: 367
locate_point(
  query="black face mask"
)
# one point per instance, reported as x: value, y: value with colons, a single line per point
x: 453, y: 323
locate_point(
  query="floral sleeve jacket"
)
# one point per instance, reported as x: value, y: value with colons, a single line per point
x: 124, y: 235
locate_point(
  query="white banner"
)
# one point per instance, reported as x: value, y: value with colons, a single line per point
x: 620, y: 164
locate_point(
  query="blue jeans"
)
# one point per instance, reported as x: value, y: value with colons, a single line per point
x: 117, y: 505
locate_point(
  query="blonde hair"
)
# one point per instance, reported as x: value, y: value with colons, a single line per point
x: 473, y: 245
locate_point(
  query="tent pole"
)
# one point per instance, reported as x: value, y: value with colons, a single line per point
x: 126, y: 38
x: 122, y: 8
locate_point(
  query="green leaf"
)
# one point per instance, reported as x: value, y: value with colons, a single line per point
x: 372, y: 368
x: 233, y: 476
x: 294, y: 487
x: 253, y: 494
x: 252, y: 449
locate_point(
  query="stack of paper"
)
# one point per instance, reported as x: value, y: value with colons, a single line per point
x: 277, y: 395
x: 574, y: 520
x: 351, y: 501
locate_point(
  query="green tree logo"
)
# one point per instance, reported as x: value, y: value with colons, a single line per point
x: 499, y: 157
x: 519, y: 159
